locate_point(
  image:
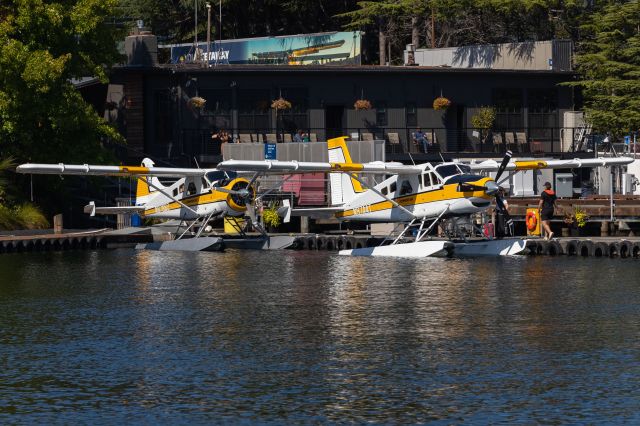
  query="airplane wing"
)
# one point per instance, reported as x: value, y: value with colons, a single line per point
x: 92, y: 210
x: 290, y: 167
x: 492, y: 165
x: 91, y: 170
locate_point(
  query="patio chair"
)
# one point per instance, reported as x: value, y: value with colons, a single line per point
x: 367, y: 136
x: 313, y: 137
x: 497, y: 142
x: 394, y: 142
x: 521, y: 139
x: 270, y: 138
x: 287, y: 137
x: 244, y: 138
x: 510, y: 141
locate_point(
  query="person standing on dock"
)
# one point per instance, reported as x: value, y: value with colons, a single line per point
x: 547, y: 205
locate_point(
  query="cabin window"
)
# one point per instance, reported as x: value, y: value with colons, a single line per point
x: 392, y: 188
x: 216, y: 176
x: 448, y: 170
x: 181, y: 189
x: 191, y: 189
x: 175, y: 192
x: 434, y: 179
x: 426, y: 180
x: 385, y: 191
x: 406, y: 188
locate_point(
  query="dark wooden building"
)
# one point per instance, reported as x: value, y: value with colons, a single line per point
x: 153, y: 106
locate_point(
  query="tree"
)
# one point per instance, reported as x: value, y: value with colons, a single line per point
x: 609, y: 67
x: 46, y: 44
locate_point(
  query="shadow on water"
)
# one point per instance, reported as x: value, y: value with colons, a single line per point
x: 311, y: 336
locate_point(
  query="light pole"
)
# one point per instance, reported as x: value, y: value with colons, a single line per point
x: 208, y: 34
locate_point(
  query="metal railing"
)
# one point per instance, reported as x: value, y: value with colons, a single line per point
x: 529, y: 141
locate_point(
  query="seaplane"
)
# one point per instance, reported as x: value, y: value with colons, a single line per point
x: 418, y: 196
x: 195, y: 198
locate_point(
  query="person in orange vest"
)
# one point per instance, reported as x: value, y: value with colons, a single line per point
x: 547, y: 205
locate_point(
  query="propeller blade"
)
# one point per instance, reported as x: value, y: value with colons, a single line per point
x: 503, y: 165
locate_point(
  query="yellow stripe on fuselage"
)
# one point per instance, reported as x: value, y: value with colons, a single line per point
x: 194, y: 200
x: 447, y: 192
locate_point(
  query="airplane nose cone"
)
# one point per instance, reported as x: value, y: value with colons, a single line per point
x: 491, y: 188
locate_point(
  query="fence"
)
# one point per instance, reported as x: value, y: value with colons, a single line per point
x: 529, y: 141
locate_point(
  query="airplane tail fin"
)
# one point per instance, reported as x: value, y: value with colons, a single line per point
x: 147, y: 185
x: 344, y: 188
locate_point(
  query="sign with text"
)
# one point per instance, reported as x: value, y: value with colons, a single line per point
x: 302, y: 49
x: 270, y: 151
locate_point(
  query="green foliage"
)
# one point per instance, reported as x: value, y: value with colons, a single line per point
x: 609, y: 64
x: 484, y: 118
x: 46, y: 44
x: 21, y: 216
x: 270, y: 216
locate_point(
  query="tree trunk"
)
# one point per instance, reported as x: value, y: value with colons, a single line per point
x: 415, y: 32
x: 382, y: 44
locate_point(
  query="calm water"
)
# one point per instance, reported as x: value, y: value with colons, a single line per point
x: 255, y: 337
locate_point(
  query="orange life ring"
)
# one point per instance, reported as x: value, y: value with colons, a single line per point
x: 532, y: 221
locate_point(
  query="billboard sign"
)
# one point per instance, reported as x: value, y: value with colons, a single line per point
x: 303, y: 49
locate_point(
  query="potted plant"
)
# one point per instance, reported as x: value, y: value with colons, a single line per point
x: 362, y: 104
x: 483, y: 121
x: 280, y: 103
x: 270, y: 217
x: 197, y: 102
x: 441, y: 103
x: 576, y: 221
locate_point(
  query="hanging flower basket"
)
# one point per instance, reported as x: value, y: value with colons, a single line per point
x: 362, y: 104
x: 197, y: 102
x: 281, y: 103
x: 441, y: 103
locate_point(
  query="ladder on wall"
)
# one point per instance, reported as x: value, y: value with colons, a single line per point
x: 580, y: 136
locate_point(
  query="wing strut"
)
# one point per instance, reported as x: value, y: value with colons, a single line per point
x: 355, y: 176
x: 163, y: 192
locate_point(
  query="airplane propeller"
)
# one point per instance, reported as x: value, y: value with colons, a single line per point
x: 498, y: 194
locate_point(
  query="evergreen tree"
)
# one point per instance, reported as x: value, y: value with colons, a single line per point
x: 609, y: 65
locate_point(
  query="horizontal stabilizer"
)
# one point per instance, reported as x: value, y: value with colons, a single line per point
x: 92, y: 210
x: 317, y: 212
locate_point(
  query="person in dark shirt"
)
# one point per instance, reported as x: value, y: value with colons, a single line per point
x: 546, y: 205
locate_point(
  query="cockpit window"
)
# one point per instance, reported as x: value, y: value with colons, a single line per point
x: 406, y: 188
x: 447, y: 170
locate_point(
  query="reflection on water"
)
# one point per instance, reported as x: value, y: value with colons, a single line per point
x: 312, y: 337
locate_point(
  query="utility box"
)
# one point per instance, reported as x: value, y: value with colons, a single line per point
x: 523, y: 184
x: 564, y: 185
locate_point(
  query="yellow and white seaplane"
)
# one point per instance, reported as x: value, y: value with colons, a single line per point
x: 196, y: 197
x: 414, y: 195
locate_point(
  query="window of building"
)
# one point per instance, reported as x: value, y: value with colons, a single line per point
x: 217, y: 109
x: 412, y: 115
x: 254, y: 109
x: 543, y: 112
x: 381, y: 113
x: 163, y: 121
x: 508, y: 104
x: 297, y: 117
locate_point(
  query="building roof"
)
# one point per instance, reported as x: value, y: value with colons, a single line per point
x: 332, y: 69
